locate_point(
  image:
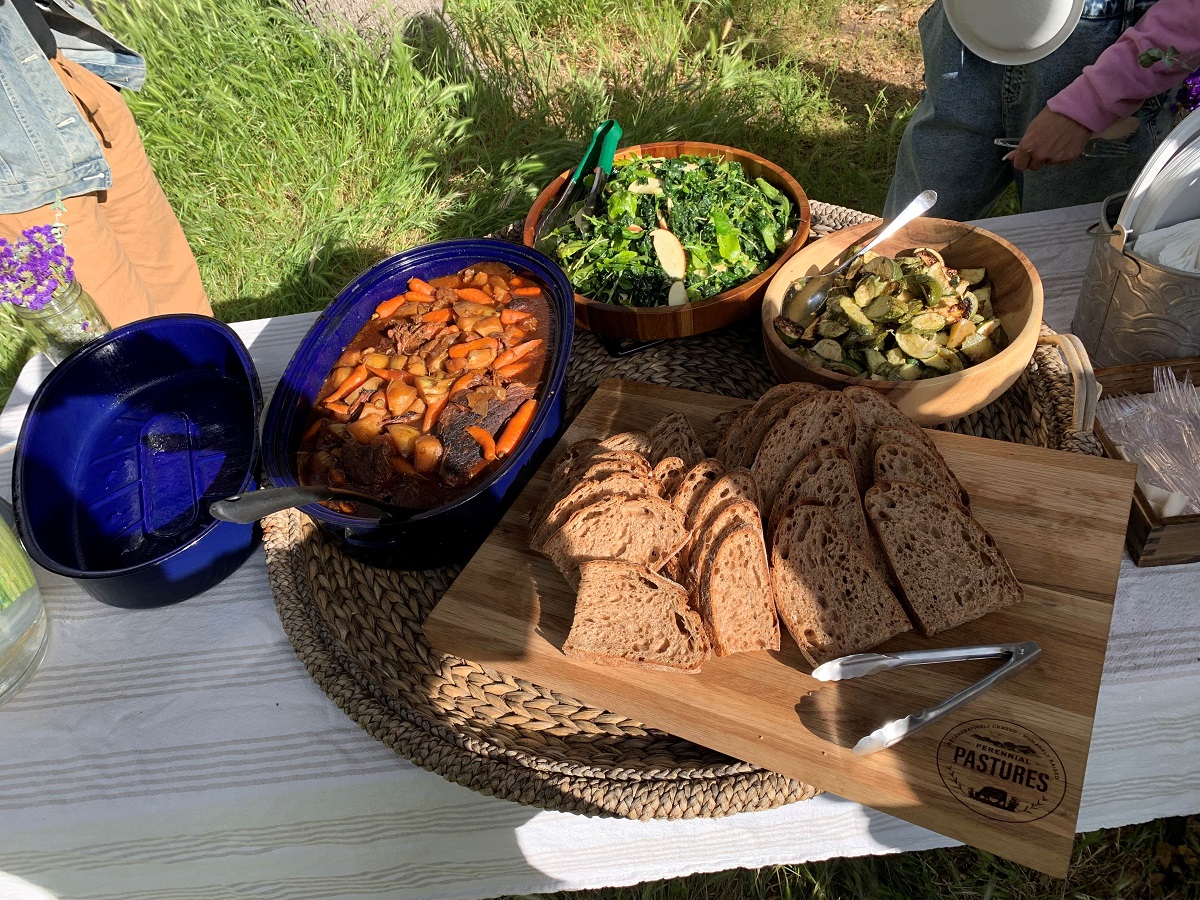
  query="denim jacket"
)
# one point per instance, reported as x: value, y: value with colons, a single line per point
x: 46, y: 146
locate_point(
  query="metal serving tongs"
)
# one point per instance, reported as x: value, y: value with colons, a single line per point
x: 1016, y: 657
x: 599, y: 156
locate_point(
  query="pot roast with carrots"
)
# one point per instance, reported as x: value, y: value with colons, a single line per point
x: 434, y: 392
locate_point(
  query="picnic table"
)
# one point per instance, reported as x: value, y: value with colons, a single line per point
x: 187, y: 752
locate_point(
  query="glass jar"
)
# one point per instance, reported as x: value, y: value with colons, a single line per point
x: 65, y: 324
x: 23, y: 625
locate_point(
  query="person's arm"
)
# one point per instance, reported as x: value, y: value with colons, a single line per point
x: 1113, y: 87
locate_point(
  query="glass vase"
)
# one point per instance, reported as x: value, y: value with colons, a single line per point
x: 24, y: 628
x: 66, y: 323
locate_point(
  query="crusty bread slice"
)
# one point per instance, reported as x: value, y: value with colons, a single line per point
x: 587, y: 492
x: 822, y: 420
x: 733, y: 435
x: 597, y: 465
x: 627, y: 615
x: 872, y: 411
x: 719, y: 427
x: 828, y: 594
x: 696, y: 483
x: 669, y: 473
x: 791, y: 394
x: 827, y: 476
x: 646, y: 531
x: 897, y: 461
x: 735, y: 596
x: 733, y: 447
x: 637, y: 441
x: 696, y: 556
x: 735, y: 484
x: 948, y: 567
x: 672, y: 435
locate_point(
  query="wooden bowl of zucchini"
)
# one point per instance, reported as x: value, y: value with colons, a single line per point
x: 942, y: 318
x: 625, y: 287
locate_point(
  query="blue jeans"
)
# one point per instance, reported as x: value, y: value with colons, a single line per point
x: 968, y: 103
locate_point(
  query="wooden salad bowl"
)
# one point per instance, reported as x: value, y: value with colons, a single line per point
x: 656, y: 323
x: 1016, y: 299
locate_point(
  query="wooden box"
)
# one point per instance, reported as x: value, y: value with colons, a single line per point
x: 1152, y: 540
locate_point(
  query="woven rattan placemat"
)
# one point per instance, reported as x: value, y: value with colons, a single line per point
x: 358, y: 629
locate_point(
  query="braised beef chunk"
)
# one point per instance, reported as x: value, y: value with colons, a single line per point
x: 367, y: 467
x: 463, y: 453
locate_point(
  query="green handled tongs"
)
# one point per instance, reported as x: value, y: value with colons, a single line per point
x: 597, y: 160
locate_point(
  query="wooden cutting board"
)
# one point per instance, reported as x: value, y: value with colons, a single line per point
x: 1003, y: 774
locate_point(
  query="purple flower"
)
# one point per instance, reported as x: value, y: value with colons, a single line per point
x: 34, y: 267
x: 1189, y: 92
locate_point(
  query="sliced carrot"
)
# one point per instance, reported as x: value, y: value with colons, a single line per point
x: 475, y: 295
x: 417, y: 286
x: 531, y: 290
x: 438, y: 315
x: 391, y: 374
x: 515, y: 281
x: 387, y: 307
x: 514, y: 369
x: 338, y: 408
x: 486, y: 442
x: 434, y: 409
x: 353, y: 380
x: 402, y: 465
x: 513, y: 316
x: 463, y: 383
x: 520, y: 351
x: 458, y: 351
x: 515, y: 429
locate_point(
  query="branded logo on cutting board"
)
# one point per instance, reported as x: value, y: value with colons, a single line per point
x: 1001, y: 770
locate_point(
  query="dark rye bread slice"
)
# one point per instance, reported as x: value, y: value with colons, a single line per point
x: 585, y: 493
x: 828, y: 594
x: 646, y: 531
x: 696, y: 483
x: 697, y: 555
x: 949, y: 569
x: 637, y: 441
x: 626, y: 615
x: 669, y: 474
x: 672, y: 435
x: 792, y: 394
x: 719, y: 427
x: 895, y: 461
x: 823, y: 420
x: 827, y: 477
x: 735, y: 597
x: 873, y: 411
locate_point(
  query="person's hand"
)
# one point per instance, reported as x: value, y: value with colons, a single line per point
x: 1050, y: 138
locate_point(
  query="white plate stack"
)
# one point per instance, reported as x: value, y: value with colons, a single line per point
x: 1161, y: 213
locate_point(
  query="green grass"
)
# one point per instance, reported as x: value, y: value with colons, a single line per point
x: 296, y: 159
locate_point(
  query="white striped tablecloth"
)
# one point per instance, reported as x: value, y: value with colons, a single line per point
x: 184, y: 752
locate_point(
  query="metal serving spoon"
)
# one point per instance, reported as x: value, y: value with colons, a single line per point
x: 247, y: 508
x: 811, y: 295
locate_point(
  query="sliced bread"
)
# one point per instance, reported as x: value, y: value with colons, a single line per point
x: 822, y: 420
x: 736, y: 484
x: 585, y: 493
x: 733, y: 435
x: 646, y: 531
x: 790, y: 394
x: 672, y: 435
x: 696, y: 483
x: 872, y: 411
x: 895, y: 461
x: 637, y: 441
x: 719, y: 427
x: 828, y: 594
x: 696, y: 556
x: 734, y: 447
x: 827, y: 476
x: 627, y: 615
x: 669, y: 473
x: 599, y: 464
x: 735, y: 596
x: 948, y: 567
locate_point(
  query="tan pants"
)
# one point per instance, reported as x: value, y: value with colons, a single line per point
x: 129, y: 250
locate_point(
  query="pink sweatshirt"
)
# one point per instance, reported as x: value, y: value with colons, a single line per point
x: 1116, y: 84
